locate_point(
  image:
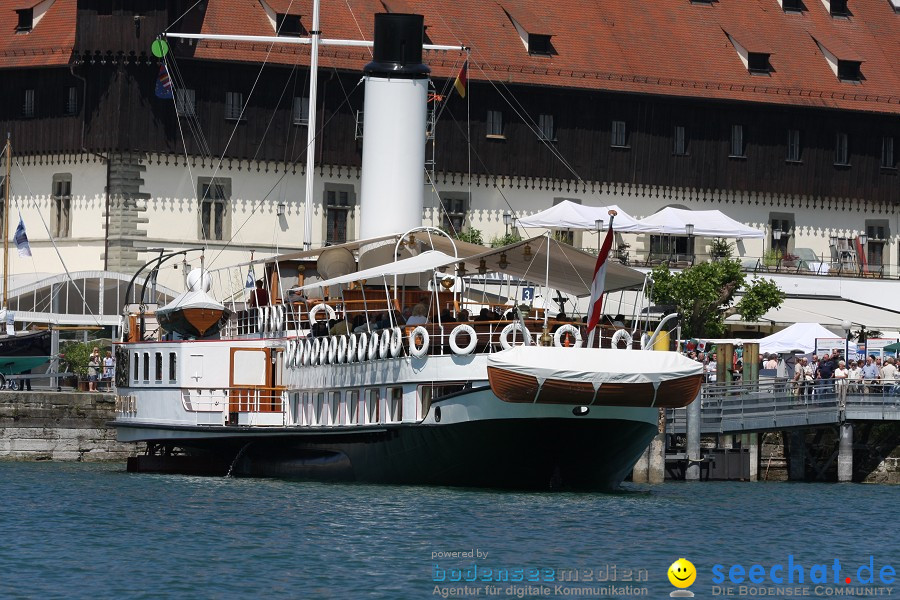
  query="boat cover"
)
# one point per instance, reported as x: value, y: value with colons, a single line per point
x: 595, y: 365
x: 195, y: 299
x: 420, y: 263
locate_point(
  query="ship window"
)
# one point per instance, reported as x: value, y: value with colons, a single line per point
x: 146, y: 367
x: 318, y: 416
x: 372, y: 401
x: 295, y: 409
x: 135, y: 373
x: 173, y: 372
x: 353, y: 403
x: 304, y: 400
x: 61, y: 205
x: 158, y: 371
x: 395, y: 396
x: 334, y: 402
x: 428, y: 393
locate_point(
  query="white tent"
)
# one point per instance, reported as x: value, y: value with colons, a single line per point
x: 569, y: 215
x: 799, y: 337
x: 707, y: 223
x: 420, y: 263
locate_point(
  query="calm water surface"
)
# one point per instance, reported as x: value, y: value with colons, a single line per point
x: 94, y: 531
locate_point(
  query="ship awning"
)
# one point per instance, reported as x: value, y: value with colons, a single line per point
x: 567, y: 269
x: 427, y: 261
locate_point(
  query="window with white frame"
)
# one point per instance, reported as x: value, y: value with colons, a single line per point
x: 373, y: 401
x: 781, y: 228
x: 28, y: 104
x: 841, y: 149
x: 186, y: 102
x: 234, y: 105
x: 395, y: 407
x: 877, y: 232
x: 339, y: 202
x: 545, y: 128
x: 300, y: 111
x: 215, y: 217
x: 618, y: 134
x: 737, y: 141
x: 494, y: 124
x: 71, y: 107
x: 334, y: 403
x: 353, y: 406
x: 793, y: 145
x: 680, y: 141
x: 61, y: 206
x: 888, y: 161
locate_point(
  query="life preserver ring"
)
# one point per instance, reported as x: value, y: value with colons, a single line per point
x: 306, y: 356
x: 505, y: 342
x: 645, y: 340
x: 277, y: 318
x: 323, y: 352
x: 316, y: 309
x: 396, y: 342
x: 560, y: 341
x: 351, y: 348
x: 384, y: 343
x: 261, y: 317
x: 342, y: 349
x: 373, y: 346
x: 473, y: 339
x: 332, y: 349
x: 289, y: 353
x: 414, y: 348
x: 314, y: 351
x: 298, y: 353
x: 362, y: 346
x: 618, y: 336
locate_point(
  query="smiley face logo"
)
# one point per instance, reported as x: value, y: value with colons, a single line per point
x: 682, y: 573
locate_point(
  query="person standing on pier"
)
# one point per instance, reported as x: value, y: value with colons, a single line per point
x: 870, y: 374
x: 840, y: 383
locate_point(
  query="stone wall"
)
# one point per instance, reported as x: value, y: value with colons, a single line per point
x: 67, y: 426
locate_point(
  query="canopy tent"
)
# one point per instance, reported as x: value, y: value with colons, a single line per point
x: 707, y: 223
x: 569, y: 215
x: 800, y: 337
x: 570, y: 270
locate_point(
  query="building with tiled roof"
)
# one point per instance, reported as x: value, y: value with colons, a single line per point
x: 782, y: 113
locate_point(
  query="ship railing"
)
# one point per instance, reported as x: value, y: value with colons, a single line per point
x: 232, y: 400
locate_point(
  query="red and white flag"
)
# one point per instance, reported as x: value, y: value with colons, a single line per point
x: 599, y: 283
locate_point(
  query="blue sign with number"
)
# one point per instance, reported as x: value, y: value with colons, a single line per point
x: 528, y: 293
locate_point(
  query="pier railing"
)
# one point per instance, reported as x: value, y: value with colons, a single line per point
x: 781, y: 404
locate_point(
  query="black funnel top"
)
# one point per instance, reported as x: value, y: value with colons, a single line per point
x: 398, y: 46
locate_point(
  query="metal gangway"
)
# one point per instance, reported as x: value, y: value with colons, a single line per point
x: 777, y: 404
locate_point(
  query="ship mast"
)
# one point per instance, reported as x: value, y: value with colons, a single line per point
x: 6, y: 226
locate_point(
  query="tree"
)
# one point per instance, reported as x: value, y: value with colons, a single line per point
x: 704, y: 295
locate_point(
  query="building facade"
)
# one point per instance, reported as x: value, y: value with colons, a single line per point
x: 783, y: 115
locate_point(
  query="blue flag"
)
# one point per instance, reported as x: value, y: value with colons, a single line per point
x: 251, y: 279
x: 163, y: 84
x: 22, y: 239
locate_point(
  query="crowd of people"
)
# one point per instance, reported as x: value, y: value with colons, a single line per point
x: 869, y: 375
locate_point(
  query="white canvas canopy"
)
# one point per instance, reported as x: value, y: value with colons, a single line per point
x: 569, y: 215
x: 707, y: 223
x: 799, y: 337
x: 427, y: 261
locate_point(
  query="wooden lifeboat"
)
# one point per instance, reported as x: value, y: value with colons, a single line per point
x: 193, y: 314
x: 594, y: 376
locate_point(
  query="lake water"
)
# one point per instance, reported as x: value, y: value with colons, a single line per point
x: 94, y: 531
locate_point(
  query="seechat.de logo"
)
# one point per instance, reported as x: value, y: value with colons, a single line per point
x: 682, y: 575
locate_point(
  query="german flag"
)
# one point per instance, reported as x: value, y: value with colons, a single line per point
x: 462, y: 80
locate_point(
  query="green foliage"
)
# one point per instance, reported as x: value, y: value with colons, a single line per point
x: 772, y: 257
x: 505, y: 240
x: 471, y: 235
x: 76, y: 357
x: 721, y: 248
x: 704, y: 295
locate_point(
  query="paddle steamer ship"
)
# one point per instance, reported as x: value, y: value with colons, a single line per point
x: 518, y: 403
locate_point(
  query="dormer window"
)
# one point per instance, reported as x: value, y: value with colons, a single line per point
x: 289, y: 25
x: 843, y: 60
x: 895, y: 4
x: 838, y: 8
x: 539, y: 44
x: 527, y: 26
x: 26, y: 19
x: 758, y: 62
x: 848, y: 70
x: 792, y: 5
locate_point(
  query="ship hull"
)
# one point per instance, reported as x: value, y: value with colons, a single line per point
x: 25, y: 344
x: 535, y: 454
